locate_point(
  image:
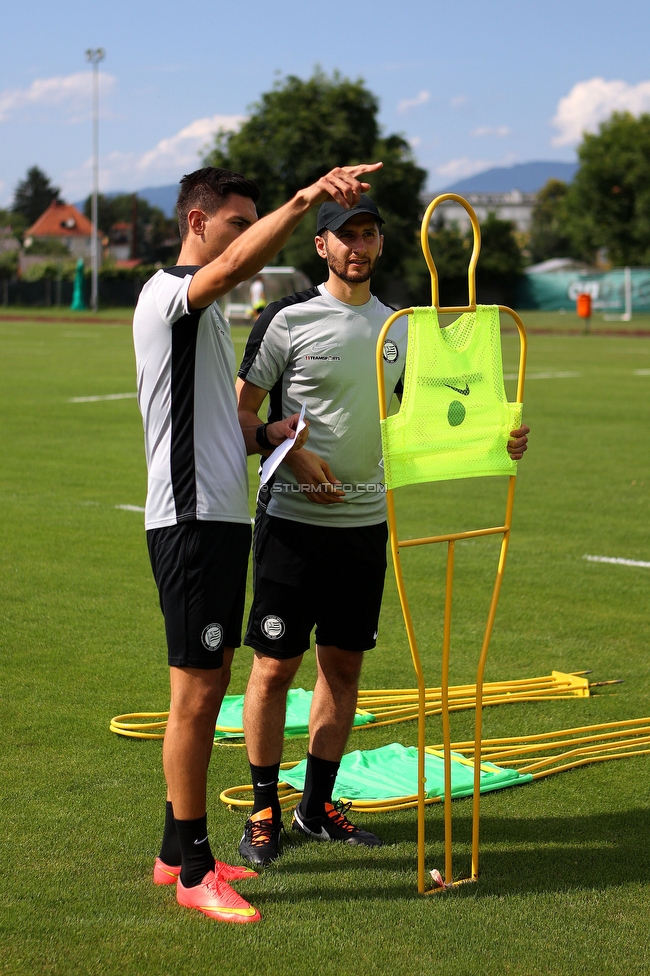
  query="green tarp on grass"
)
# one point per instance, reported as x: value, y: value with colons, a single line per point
x: 297, y: 720
x: 391, y: 772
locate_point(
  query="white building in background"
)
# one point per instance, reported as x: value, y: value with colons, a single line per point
x: 514, y: 206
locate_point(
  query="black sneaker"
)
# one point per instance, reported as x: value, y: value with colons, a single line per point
x: 260, y: 843
x: 333, y: 825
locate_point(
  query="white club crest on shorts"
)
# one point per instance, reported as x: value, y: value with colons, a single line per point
x: 212, y: 636
x: 391, y: 352
x: 273, y: 627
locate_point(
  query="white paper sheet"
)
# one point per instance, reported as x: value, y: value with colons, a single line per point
x: 273, y: 460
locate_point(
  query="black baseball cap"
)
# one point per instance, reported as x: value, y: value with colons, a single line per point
x: 332, y: 215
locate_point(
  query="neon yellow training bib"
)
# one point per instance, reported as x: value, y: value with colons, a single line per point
x: 454, y: 420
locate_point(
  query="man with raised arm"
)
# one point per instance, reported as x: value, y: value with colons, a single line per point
x: 320, y: 531
x: 197, y: 519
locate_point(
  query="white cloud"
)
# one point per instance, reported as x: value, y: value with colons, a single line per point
x: 457, y: 169
x: 593, y: 101
x: 166, y: 161
x: 71, y: 92
x: 421, y: 98
x: 487, y: 130
x: 182, y: 149
x: 414, y: 142
x: 458, y: 100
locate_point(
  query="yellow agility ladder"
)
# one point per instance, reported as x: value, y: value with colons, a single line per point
x: 387, y: 706
x: 382, y: 780
x: 453, y: 422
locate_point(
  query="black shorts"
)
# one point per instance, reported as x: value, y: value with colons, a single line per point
x: 200, y: 571
x: 308, y: 575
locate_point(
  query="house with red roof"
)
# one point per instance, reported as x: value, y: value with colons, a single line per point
x: 64, y: 223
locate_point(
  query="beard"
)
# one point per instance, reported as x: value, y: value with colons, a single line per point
x: 355, y: 276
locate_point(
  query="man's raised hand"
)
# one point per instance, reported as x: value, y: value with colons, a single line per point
x: 341, y: 184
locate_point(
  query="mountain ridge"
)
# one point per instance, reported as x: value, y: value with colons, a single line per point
x: 527, y: 177
x: 163, y: 197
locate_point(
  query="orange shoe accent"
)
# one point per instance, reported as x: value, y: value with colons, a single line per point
x: 166, y: 874
x: 217, y: 900
x: 337, y: 816
x: 260, y: 843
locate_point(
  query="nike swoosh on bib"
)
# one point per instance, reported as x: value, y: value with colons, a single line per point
x: 457, y: 389
x: 317, y: 347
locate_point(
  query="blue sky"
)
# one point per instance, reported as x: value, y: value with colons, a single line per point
x: 471, y: 84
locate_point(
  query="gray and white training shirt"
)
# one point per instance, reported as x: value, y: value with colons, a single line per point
x: 196, y: 456
x: 312, y: 348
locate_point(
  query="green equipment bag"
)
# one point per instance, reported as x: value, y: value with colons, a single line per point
x: 454, y: 420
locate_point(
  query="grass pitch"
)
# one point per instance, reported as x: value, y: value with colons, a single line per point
x: 565, y: 868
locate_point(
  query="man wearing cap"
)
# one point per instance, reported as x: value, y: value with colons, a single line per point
x: 320, y: 532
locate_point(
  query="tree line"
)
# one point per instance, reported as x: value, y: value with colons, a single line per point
x: 302, y: 128
x: 606, y: 208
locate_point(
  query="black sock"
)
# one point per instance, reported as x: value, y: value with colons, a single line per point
x: 265, y: 789
x: 319, y: 783
x: 196, y: 857
x: 170, y: 849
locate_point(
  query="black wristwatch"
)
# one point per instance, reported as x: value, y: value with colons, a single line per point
x: 262, y: 439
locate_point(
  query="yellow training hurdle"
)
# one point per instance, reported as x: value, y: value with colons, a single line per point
x: 397, y: 545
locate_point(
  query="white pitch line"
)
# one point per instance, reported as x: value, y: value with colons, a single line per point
x: 642, y: 372
x: 130, y: 508
x: 618, y: 561
x: 543, y: 376
x: 107, y: 396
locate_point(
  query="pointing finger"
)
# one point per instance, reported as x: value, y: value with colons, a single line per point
x: 362, y: 168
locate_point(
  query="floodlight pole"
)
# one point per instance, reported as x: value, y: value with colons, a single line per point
x: 94, y: 56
